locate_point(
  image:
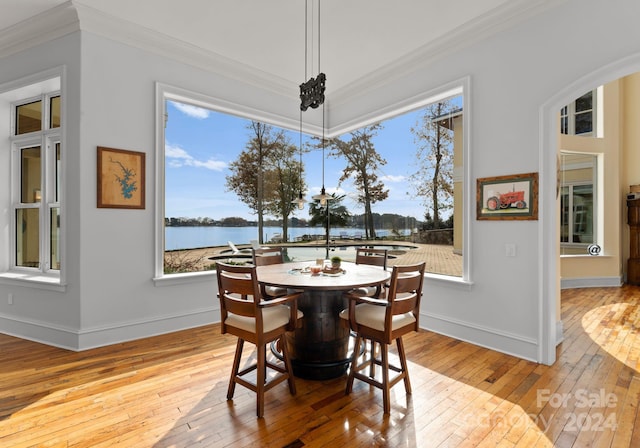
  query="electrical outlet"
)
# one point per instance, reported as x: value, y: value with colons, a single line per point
x: 10, y: 299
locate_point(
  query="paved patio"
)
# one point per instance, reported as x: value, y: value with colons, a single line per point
x: 440, y: 258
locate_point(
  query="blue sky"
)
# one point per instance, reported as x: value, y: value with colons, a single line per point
x: 201, y: 143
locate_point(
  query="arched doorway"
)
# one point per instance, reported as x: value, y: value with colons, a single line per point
x: 550, y: 327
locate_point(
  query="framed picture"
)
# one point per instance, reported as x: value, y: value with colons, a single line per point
x: 508, y: 197
x: 120, y: 178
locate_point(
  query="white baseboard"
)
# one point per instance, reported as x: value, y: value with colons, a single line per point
x: 38, y: 331
x: 559, y: 332
x: 504, y: 342
x: 590, y: 282
x: 84, y: 339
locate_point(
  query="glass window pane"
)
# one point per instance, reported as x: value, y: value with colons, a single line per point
x: 583, y: 214
x: 584, y: 122
x: 55, y: 238
x: 30, y: 164
x: 56, y: 192
x: 564, y: 125
x: 27, y: 237
x: 432, y: 215
x: 578, y: 204
x: 54, y: 112
x: 585, y: 102
x: 29, y: 117
x: 564, y: 215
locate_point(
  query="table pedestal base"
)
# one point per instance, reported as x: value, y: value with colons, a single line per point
x: 319, y: 349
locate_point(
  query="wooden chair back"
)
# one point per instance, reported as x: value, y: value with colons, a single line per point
x: 239, y: 293
x: 265, y: 256
x: 404, y: 295
x: 373, y: 257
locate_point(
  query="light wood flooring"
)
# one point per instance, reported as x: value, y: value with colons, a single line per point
x: 170, y: 391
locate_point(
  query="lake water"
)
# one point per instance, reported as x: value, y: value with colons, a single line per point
x: 193, y: 237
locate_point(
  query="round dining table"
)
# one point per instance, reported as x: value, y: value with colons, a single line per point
x: 319, y: 347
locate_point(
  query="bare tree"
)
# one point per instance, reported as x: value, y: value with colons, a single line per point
x: 363, y: 162
x: 433, y: 181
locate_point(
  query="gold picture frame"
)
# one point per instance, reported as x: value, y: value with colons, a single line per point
x: 513, y: 197
x: 121, y: 178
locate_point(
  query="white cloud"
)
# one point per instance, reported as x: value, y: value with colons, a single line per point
x: 211, y: 164
x: 392, y: 178
x: 178, y: 157
x: 175, y: 152
x: 192, y: 111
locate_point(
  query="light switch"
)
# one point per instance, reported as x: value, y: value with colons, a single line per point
x: 510, y: 250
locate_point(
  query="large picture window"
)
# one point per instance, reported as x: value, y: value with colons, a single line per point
x: 230, y: 182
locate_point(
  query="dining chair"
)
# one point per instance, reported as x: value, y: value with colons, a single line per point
x: 385, y: 320
x: 373, y: 257
x: 267, y: 256
x: 245, y: 314
x: 263, y: 256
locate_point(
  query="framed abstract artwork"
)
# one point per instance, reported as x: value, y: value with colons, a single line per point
x: 121, y: 178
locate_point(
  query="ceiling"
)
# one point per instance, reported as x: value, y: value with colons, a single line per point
x: 360, y: 39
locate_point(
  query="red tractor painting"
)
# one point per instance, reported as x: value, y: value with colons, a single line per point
x: 506, y: 200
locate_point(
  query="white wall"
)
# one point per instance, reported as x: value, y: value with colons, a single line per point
x: 516, y: 78
x: 46, y: 315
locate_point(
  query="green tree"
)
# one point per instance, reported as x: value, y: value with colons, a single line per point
x: 267, y: 176
x: 338, y: 215
x: 433, y: 181
x: 247, y: 178
x: 284, y: 174
x: 363, y: 163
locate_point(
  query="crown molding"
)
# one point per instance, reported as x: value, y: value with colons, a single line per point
x: 46, y: 26
x: 73, y: 16
x: 491, y: 23
x: 114, y: 28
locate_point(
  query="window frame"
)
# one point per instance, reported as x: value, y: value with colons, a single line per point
x: 166, y: 93
x: 595, y: 166
x: 569, y: 113
x: 572, y: 213
x: 46, y: 138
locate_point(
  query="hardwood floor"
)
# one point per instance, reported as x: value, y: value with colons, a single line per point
x: 170, y: 391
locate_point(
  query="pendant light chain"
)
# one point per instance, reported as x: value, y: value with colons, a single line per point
x: 319, y: 40
x: 301, y: 201
x: 322, y: 148
x: 306, y: 38
x: 323, y: 191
